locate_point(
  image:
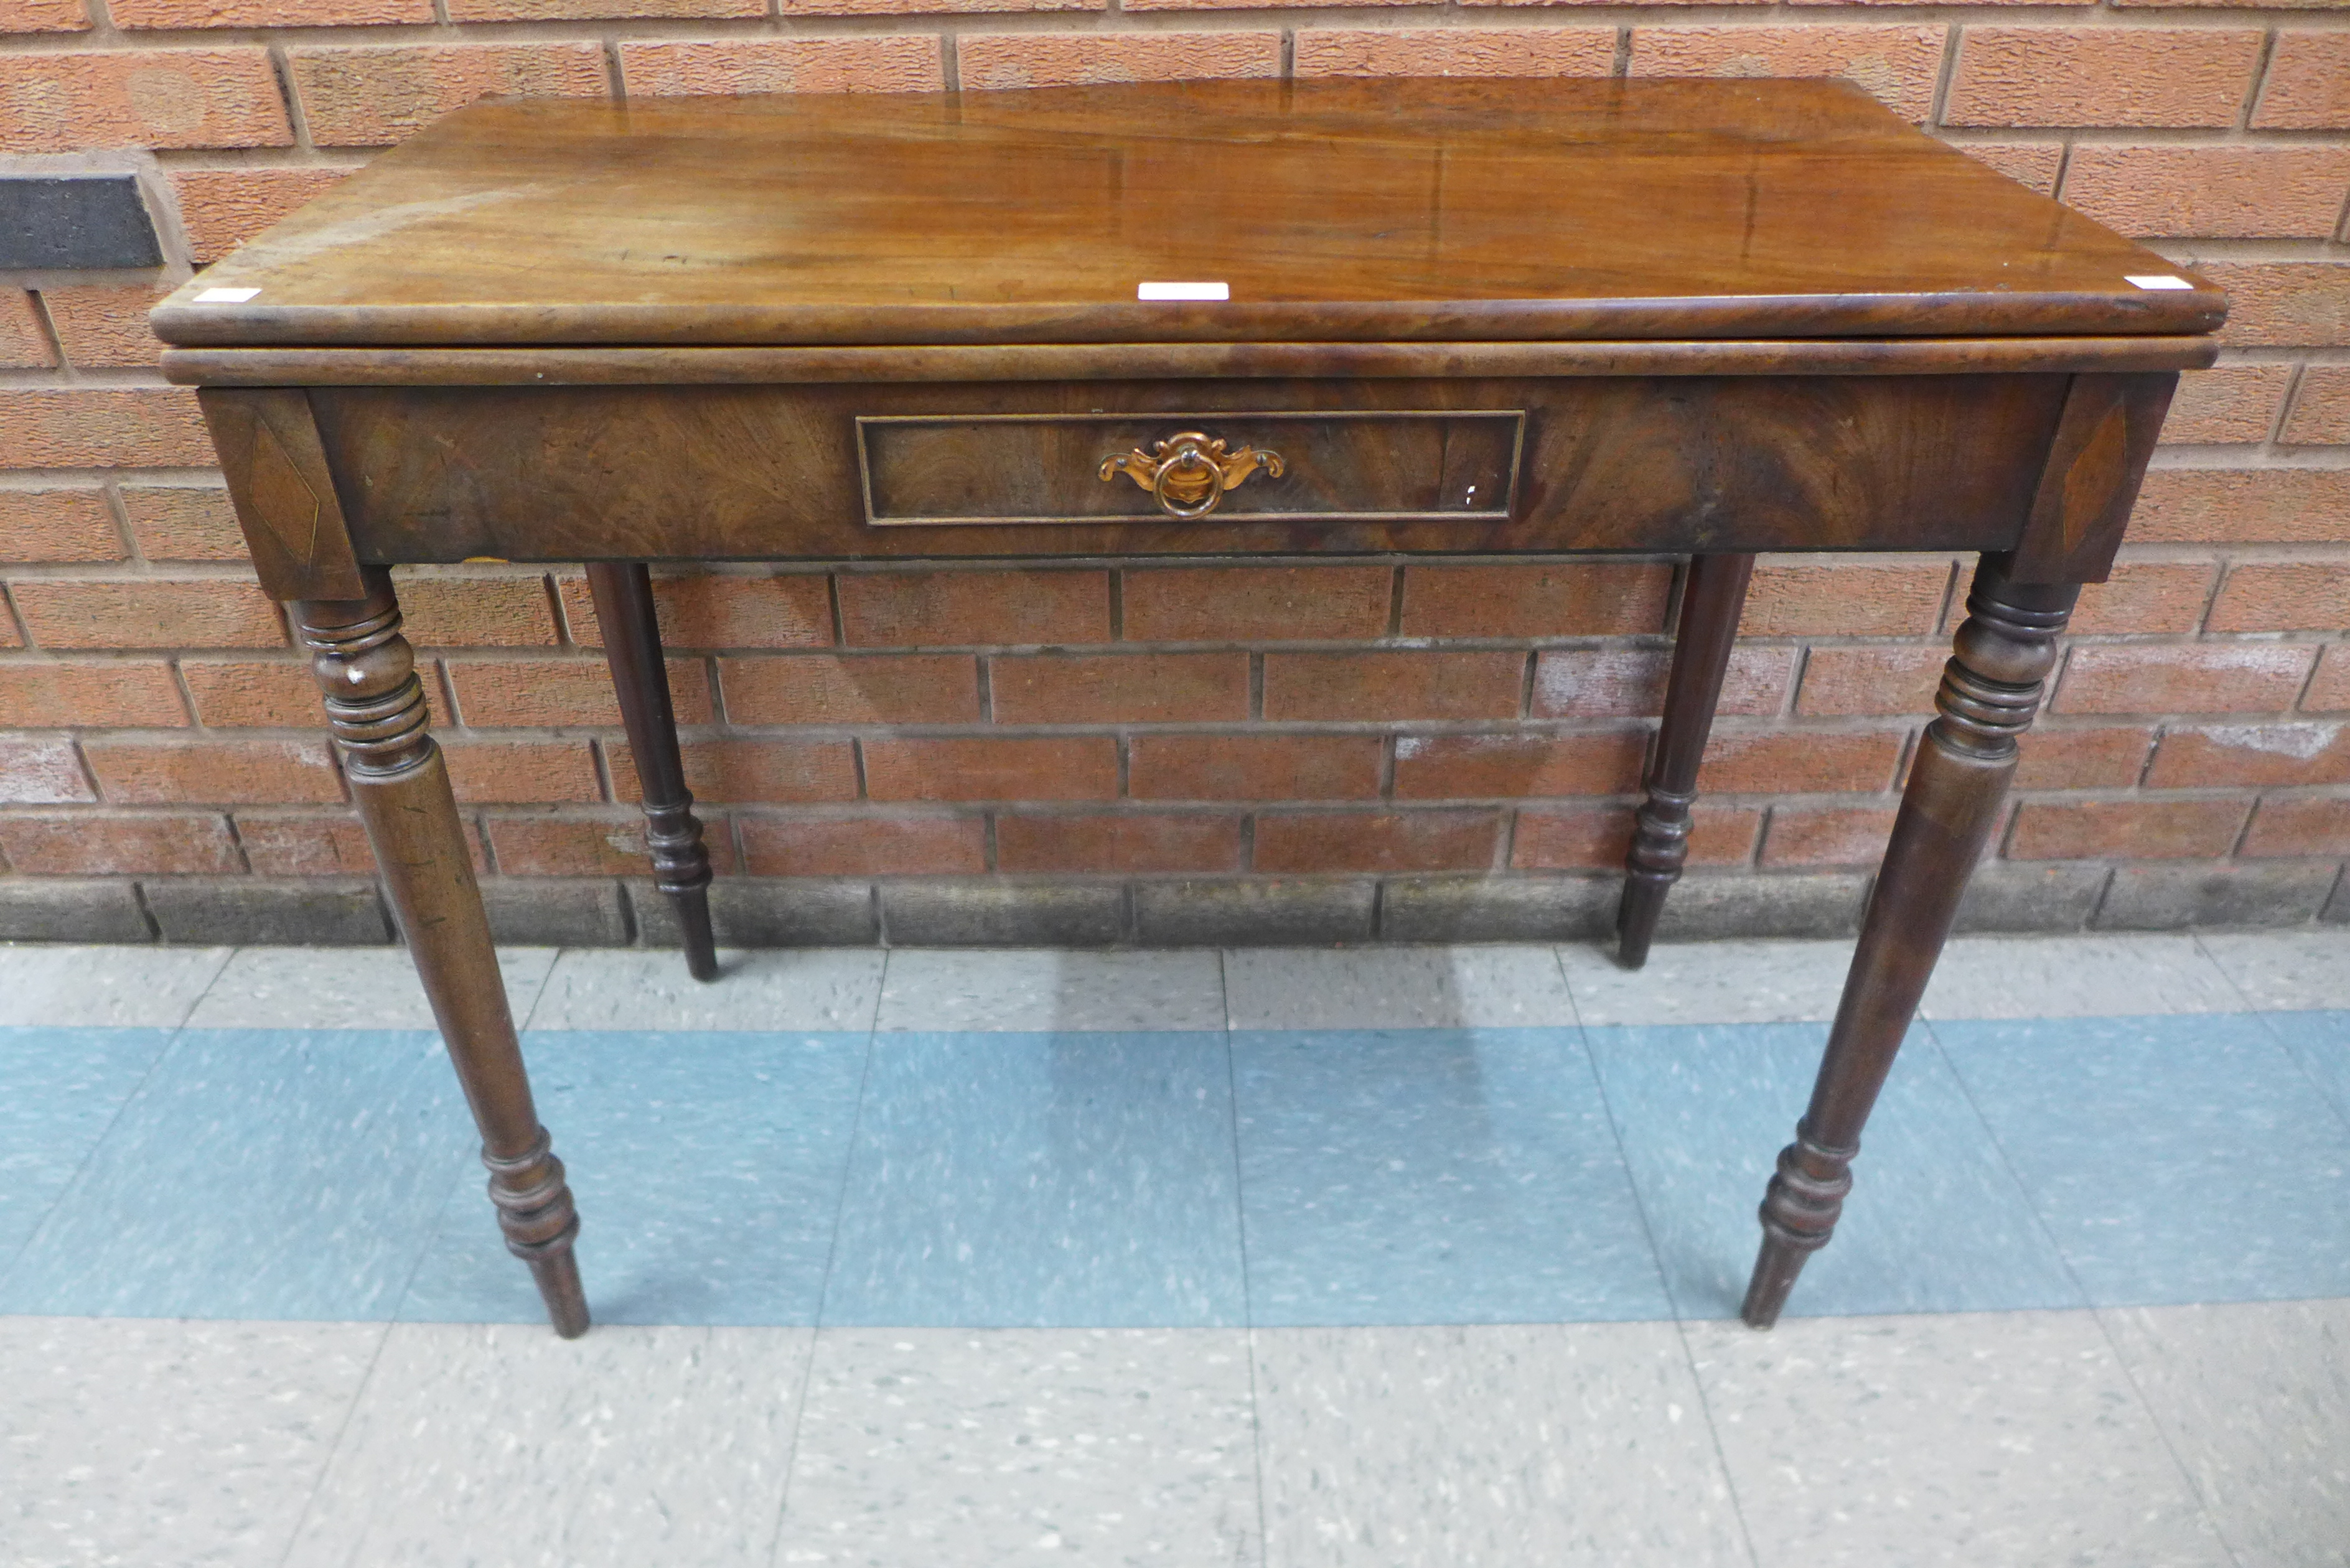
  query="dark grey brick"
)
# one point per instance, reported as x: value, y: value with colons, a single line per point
x: 765, y: 912
x: 2030, y: 897
x: 322, y: 913
x: 556, y: 912
x: 2174, y: 898
x: 70, y: 909
x: 1499, y: 908
x: 1814, y: 904
x: 1232, y: 912
x: 2338, y: 907
x: 84, y: 222
x: 1011, y: 914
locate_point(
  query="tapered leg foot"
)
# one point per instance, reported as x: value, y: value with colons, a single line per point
x: 1799, y: 1214
x: 535, y: 1211
x: 1712, y: 599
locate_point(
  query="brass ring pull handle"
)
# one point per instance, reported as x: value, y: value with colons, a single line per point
x: 1187, y: 473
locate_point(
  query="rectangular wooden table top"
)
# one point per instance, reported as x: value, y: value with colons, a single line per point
x: 1333, y: 212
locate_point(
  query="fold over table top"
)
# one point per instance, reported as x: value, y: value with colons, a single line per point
x: 1341, y: 211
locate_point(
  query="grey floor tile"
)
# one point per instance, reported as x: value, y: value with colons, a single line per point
x: 57, y: 983
x: 780, y: 989
x: 1488, y: 1447
x: 2284, y: 969
x: 1711, y: 983
x: 2255, y: 1399
x: 2012, y: 1438
x: 166, y: 1444
x: 345, y: 988
x: 2076, y: 977
x: 1394, y: 988
x: 921, y: 1448
x: 504, y: 1445
x: 1046, y: 988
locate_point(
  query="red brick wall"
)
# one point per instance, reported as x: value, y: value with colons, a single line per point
x: 1173, y: 750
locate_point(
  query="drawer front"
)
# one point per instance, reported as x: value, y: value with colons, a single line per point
x: 1339, y: 466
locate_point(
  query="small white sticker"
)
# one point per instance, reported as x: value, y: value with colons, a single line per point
x: 2159, y: 280
x: 226, y: 296
x: 1182, y: 291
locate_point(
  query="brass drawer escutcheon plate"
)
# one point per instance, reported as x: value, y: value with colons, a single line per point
x: 1333, y: 466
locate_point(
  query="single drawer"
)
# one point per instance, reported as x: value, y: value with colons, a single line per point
x: 1342, y: 466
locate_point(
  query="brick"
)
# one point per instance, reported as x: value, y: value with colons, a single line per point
x: 1604, y: 599
x: 931, y: 609
x: 2124, y: 829
x: 1254, y: 767
x: 23, y: 344
x: 2202, y: 678
x: 2308, y: 83
x: 2287, y: 597
x: 147, y: 98
x: 2283, y: 304
x: 2320, y: 410
x: 148, y: 612
x: 102, y: 427
x: 783, y: 65
x: 57, y: 525
x: 1513, y: 766
x: 999, y: 914
x: 1071, y: 59
x: 1267, y: 604
x: 2033, y: 163
x: 861, y: 689
x: 250, y: 693
x: 308, y: 845
x: 43, y: 17
x: 795, y: 772
x: 1870, y: 680
x: 865, y: 845
x: 1074, y: 767
x: 1214, y: 911
x: 183, y: 523
x: 1375, y: 841
x: 2179, y: 898
x: 520, y: 772
x: 89, y: 693
x: 2146, y: 596
x: 2106, y: 756
x: 39, y: 770
x: 223, y: 208
x: 1629, y: 683
x: 1827, y: 836
x: 207, y: 773
x: 1403, y: 684
x: 105, y: 329
x: 1455, y: 52
x: 2276, y: 192
x: 376, y: 94
x: 2227, y: 404
x: 97, y: 844
x: 2290, y: 829
x: 2329, y: 688
x: 2102, y: 76
x: 544, y: 845
x: 1794, y: 761
x: 1817, y: 598
x: 159, y: 13
x: 2243, y: 506
x: 927, y: 7
x: 62, y: 910
x: 2216, y: 756
x: 476, y: 612
x: 1137, y: 843
x: 1471, y: 908
x: 563, y: 10
x: 719, y: 609
x: 1601, y: 835
x: 1119, y: 688
x: 519, y: 692
x: 1898, y: 65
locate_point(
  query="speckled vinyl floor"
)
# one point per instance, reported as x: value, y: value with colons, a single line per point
x: 1381, y: 1258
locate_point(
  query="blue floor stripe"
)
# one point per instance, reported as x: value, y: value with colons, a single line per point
x: 1161, y: 1179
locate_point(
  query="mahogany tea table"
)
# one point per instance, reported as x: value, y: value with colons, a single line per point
x: 1251, y: 318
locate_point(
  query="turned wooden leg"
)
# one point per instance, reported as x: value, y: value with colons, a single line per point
x: 1710, y: 601
x: 375, y: 705
x: 624, y: 608
x: 1958, y: 782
